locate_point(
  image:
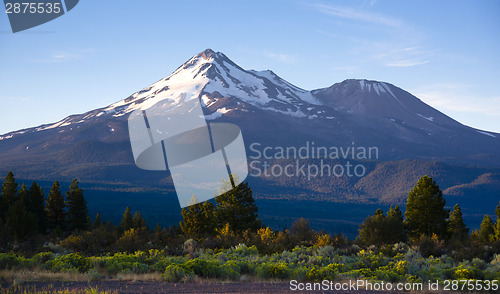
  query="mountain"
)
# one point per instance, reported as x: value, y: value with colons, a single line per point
x: 408, y: 134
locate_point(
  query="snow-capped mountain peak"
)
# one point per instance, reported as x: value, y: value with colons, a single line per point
x: 212, y: 72
x: 266, y: 107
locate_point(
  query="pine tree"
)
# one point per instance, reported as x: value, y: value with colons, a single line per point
x: 159, y: 235
x: 21, y: 222
x: 158, y: 229
x: 487, y: 230
x: 395, y: 230
x: 425, y: 212
x: 22, y: 194
x: 198, y: 220
x: 138, y: 222
x: 126, y: 222
x: 35, y: 204
x: 370, y: 231
x: 8, y: 195
x: 55, y: 208
x: 97, y: 221
x: 237, y: 208
x: 380, y: 229
x: 456, y: 226
x: 78, y: 213
x: 497, y: 225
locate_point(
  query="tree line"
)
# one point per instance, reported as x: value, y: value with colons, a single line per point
x: 28, y: 220
x: 24, y: 212
x: 429, y: 224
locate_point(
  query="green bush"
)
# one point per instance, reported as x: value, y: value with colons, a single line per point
x: 273, y: 271
x: 299, y: 273
x: 175, y: 273
x: 9, y: 261
x: 204, y: 268
x: 94, y: 275
x: 462, y: 273
x: 69, y: 263
x: 231, y: 270
x: 127, y: 267
x: 328, y: 272
x: 42, y: 257
x: 243, y: 250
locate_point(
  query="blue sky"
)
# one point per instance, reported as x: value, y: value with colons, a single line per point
x: 444, y: 52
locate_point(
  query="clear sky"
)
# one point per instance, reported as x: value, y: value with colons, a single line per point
x: 445, y: 52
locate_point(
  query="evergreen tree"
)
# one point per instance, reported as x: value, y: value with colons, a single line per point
x: 78, y: 213
x: 126, y: 222
x: 425, y: 212
x: 159, y: 235
x: 370, y: 231
x: 158, y: 229
x: 301, y: 231
x: 237, y: 208
x: 138, y: 222
x: 8, y: 195
x: 55, y: 208
x: 21, y: 222
x: 395, y: 223
x: 497, y: 226
x: 97, y: 221
x: 380, y: 229
x: 22, y: 194
x: 487, y: 230
x: 35, y: 203
x: 456, y: 226
x: 198, y: 220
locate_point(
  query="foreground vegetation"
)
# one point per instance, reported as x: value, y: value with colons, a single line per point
x: 395, y: 263
x: 53, y: 238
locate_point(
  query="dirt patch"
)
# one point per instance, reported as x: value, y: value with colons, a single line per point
x: 131, y: 287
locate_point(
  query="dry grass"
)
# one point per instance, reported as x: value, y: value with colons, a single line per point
x: 21, y: 276
x: 140, y: 277
x: 19, y: 289
x: 26, y: 275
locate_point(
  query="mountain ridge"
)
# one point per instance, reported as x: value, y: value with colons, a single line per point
x: 213, y: 73
x: 94, y: 146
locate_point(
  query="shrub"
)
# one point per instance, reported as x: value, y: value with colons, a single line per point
x: 9, y: 261
x: 429, y: 246
x: 175, y: 273
x: 313, y: 274
x: 203, y: 268
x: 243, y: 250
x: 122, y: 263
x: 74, y: 243
x: 69, y: 263
x: 462, y: 273
x: 94, y: 275
x: 231, y: 270
x: 132, y: 240
x: 323, y: 240
x: 327, y: 251
x: 42, y: 257
x: 328, y: 272
x: 299, y: 273
x: 273, y: 271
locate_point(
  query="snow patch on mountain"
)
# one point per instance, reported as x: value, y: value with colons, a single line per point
x: 218, y: 113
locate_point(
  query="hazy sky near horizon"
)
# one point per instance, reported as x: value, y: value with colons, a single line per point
x: 444, y: 52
